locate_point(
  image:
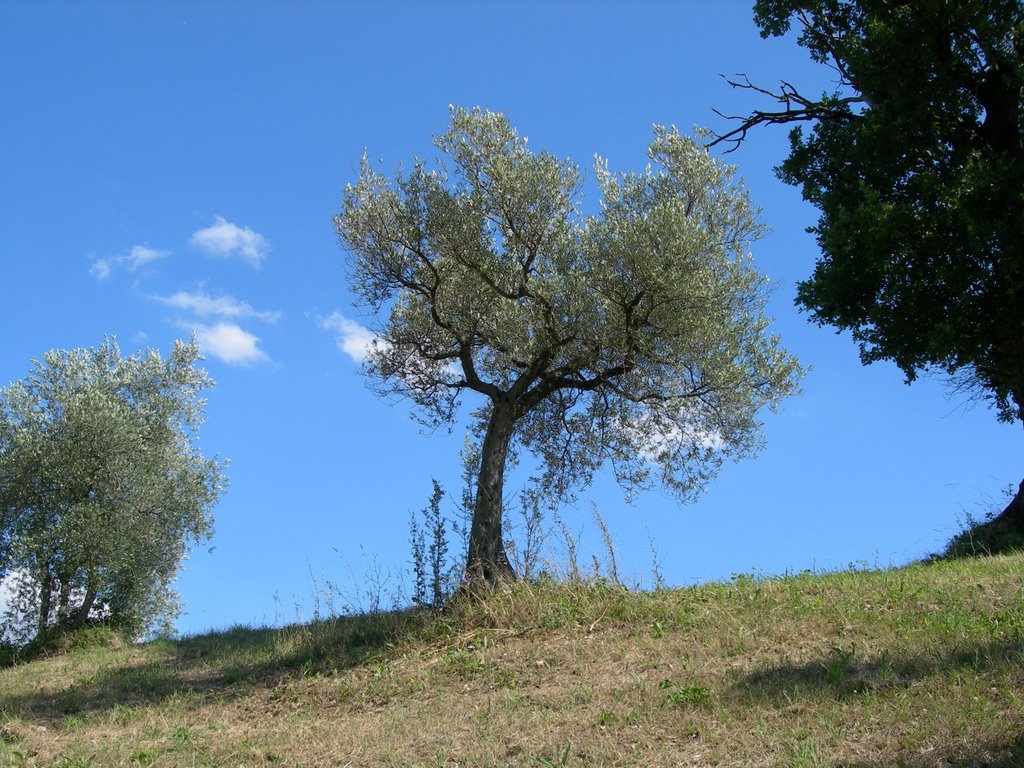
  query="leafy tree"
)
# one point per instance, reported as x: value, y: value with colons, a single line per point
x: 102, y: 486
x: 916, y: 163
x: 636, y: 336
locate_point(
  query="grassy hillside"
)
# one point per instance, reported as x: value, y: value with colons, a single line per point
x: 922, y: 666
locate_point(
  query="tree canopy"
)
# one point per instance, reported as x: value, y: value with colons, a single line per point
x: 916, y: 163
x: 634, y: 336
x: 102, y: 485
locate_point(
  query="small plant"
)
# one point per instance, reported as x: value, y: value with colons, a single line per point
x: 805, y: 753
x: 562, y: 761
x: 525, y: 553
x: 571, y: 544
x: 463, y: 662
x: 505, y: 678
x: 609, y: 545
x: 433, y: 574
x: 381, y: 670
x: 657, y: 575
x: 838, y: 665
x: 143, y: 756
x: 581, y: 696
x: 694, y: 695
x: 633, y: 716
x: 308, y: 669
x: 885, y: 665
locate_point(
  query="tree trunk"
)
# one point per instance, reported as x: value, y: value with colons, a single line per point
x: 1008, y: 525
x: 487, y: 564
x: 45, y: 599
x: 1006, y: 528
x: 1011, y: 519
x: 81, y: 615
x: 1014, y: 512
x: 63, y: 598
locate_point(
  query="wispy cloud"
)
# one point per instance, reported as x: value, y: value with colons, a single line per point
x: 226, y: 239
x: 138, y: 256
x: 101, y: 268
x: 203, y: 304
x: 230, y: 343
x: 353, y: 339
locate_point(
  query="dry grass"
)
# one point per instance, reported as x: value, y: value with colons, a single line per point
x: 922, y: 666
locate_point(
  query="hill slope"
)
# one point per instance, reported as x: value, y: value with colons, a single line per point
x: 921, y: 666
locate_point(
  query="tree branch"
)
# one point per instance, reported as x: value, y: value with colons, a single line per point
x: 798, y: 108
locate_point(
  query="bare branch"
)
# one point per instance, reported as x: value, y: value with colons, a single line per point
x: 797, y: 108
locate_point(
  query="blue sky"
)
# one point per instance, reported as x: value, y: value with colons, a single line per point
x: 170, y: 168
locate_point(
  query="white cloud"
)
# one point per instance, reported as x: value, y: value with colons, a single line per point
x: 353, y: 339
x: 230, y: 343
x: 205, y: 305
x: 227, y: 239
x: 101, y: 269
x: 138, y: 256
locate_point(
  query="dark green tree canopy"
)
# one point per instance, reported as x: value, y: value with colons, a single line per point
x: 102, y: 485
x: 916, y: 163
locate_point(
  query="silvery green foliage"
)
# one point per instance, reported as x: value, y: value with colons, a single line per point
x: 636, y: 336
x: 102, y: 484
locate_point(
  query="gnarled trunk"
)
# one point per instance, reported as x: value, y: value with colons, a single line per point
x: 487, y: 563
x: 81, y: 615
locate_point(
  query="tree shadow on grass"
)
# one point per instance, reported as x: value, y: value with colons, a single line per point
x: 844, y: 672
x: 217, y: 665
x: 1005, y: 755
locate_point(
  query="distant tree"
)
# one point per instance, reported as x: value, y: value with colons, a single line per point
x: 102, y: 486
x: 916, y: 162
x: 636, y: 336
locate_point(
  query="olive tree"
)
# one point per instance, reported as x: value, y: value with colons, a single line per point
x: 634, y: 336
x: 102, y: 486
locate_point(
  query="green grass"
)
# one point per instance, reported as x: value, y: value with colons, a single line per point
x: 921, y: 666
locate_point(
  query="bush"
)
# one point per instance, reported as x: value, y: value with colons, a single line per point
x: 58, y: 640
